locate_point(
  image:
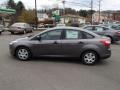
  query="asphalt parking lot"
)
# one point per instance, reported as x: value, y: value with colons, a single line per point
x: 56, y: 74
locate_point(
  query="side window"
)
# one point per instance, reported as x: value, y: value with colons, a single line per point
x: 115, y: 27
x: 98, y: 29
x: 105, y: 29
x: 89, y: 28
x: 73, y: 34
x: 87, y: 36
x: 52, y: 35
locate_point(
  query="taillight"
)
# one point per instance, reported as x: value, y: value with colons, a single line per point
x: 118, y: 33
x: 106, y: 42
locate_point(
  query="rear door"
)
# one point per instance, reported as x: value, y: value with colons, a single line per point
x: 99, y: 30
x: 72, y: 43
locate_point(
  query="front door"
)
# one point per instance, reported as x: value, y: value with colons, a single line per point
x: 49, y: 44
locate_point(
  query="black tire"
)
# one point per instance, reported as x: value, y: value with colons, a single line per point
x: 0, y: 33
x: 32, y: 31
x: 12, y: 32
x: 29, y: 54
x: 89, y: 61
x: 112, y: 41
x: 24, y: 32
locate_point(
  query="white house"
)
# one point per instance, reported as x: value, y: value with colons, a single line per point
x: 73, y: 18
x: 42, y: 16
x: 103, y: 17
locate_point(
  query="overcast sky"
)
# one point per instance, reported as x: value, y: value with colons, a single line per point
x: 106, y: 4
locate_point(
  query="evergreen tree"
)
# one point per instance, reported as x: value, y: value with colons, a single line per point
x: 11, y: 4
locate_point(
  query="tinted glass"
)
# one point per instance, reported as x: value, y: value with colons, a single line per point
x: 89, y: 28
x: 52, y: 35
x: 105, y: 29
x: 99, y: 29
x: 87, y: 36
x: 116, y: 27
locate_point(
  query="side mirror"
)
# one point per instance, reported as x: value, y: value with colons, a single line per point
x: 38, y: 38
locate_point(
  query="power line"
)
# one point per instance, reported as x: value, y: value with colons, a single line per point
x: 80, y: 4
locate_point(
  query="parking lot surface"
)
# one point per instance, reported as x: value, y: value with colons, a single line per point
x: 56, y: 73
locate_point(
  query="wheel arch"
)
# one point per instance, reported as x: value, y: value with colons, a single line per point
x: 22, y: 46
x: 86, y: 50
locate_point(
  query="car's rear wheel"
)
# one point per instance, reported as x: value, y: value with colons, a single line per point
x: 0, y: 32
x: 111, y: 39
x: 89, y: 57
x: 23, y: 53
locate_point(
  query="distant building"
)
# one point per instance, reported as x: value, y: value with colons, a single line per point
x: 72, y: 18
x: 42, y: 16
x: 104, y: 17
x: 116, y: 16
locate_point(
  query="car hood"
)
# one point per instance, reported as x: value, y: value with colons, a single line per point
x: 23, y: 39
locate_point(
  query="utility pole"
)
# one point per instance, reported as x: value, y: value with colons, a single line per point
x: 91, y: 12
x: 64, y: 9
x: 36, y: 20
x: 99, y: 10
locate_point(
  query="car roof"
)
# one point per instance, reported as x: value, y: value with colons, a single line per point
x: 20, y: 23
x: 70, y: 28
x: 96, y: 26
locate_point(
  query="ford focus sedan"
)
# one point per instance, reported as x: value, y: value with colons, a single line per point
x: 63, y: 42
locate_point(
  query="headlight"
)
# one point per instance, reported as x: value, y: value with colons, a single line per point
x: 13, y: 42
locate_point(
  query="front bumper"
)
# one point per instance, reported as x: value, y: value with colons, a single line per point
x: 12, y: 50
x: 17, y: 31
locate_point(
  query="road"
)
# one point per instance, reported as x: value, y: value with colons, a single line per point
x: 55, y: 73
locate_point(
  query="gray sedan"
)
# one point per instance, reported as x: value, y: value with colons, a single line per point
x: 20, y: 28
x: 63, y: 42
x: 114, y: 35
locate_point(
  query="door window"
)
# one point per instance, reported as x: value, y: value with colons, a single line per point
x: 99, y: 29
x: 52, y: 35
x: 73, y: 34
x: 87, y: 36
x: 89, y: 28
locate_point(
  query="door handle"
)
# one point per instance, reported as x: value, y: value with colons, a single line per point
x: 55, y: 42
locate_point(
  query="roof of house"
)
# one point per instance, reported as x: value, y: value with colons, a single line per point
x: 5, y: 11
x: 73, y: 16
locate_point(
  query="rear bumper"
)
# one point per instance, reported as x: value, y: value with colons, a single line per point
x: 116, y: 38
x: 106, y: 54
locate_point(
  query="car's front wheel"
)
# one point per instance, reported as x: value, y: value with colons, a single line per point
x: 23, y: 53
x: 89, y: 57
